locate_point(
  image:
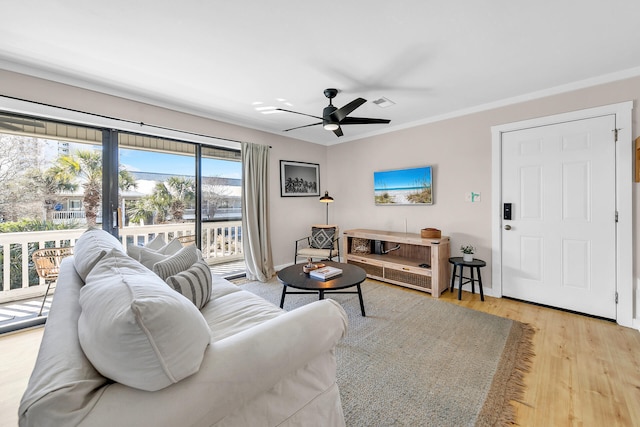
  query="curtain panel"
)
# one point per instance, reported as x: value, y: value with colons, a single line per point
x: 256, y: 238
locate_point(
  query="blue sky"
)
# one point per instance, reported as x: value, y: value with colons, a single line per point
x: 150, y: 161
x: 404, y: 178
x: 147, y: 161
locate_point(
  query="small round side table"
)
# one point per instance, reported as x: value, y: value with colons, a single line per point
x: 476, y: 265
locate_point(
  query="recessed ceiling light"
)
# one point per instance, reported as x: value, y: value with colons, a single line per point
x: 383, y: 102
x: 257, y: 103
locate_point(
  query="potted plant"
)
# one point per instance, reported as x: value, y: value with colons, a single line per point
x: 467, y: 252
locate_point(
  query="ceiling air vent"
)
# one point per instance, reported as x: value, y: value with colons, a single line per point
x: 383, y: 102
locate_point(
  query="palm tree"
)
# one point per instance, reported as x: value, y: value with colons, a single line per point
x: 168, y: 200
x: 182, y: 191
x: 141, y: 210
x: 49, y: 184
x: 126, y: 180
x: 86, y: 165
x: 160, y: 200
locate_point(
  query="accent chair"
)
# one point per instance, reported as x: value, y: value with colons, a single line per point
x: 323, y: 243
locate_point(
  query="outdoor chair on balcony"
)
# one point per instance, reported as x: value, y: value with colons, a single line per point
x: 323, y: 243
x: 47, y: 263
x: 189, y: 239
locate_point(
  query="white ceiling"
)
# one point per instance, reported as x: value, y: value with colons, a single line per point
x: 218, y: 59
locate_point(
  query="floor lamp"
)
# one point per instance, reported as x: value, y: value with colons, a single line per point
x: 326, y: 199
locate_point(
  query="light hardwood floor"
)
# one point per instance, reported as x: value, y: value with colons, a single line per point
x: 586, y: 371
x: 18, y: 352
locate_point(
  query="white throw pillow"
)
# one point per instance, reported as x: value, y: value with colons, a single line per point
x: 177, y: 262
x: 149, y: 257
x: 156, y: 244
x: 134, y: 251
x: 91, y: 247
x: 195, y: 283
x: 136, y: 330
x: 171, y: 248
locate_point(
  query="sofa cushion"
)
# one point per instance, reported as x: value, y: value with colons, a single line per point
x: 174, y: 264
x: 221, y: 287
x: 135, y: 329
x: 194, y: 283
x: 91, y: 247
x: 235, y: 312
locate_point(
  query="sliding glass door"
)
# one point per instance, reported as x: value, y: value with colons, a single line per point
x: 184, y: 190
x: 60, y: 178
x: 162, y: 198
x: 50, y: 192
x: 221, y: 207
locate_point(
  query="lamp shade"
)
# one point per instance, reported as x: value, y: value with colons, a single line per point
x: 326, y: 198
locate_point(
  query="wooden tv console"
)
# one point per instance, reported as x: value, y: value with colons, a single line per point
x: 402, y: 266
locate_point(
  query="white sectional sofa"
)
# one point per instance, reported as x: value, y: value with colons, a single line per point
x: 255, y: 365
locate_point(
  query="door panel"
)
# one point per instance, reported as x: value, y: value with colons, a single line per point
x: 560, y: 249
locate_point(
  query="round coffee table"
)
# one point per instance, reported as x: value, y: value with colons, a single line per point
x: 294, y: 277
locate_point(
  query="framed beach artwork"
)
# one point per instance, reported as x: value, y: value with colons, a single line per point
x: 298, y: 179
x: 413, y: 186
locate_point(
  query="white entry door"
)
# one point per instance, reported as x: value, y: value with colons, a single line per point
x: 559, y: 248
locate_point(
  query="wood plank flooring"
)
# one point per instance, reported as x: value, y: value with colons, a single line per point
x: 586, y: 371
x: 18, y: 352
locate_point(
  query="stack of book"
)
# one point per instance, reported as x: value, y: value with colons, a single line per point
x: 325, y: 273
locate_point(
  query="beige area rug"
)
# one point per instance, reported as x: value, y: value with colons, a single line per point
x: 417, y: 361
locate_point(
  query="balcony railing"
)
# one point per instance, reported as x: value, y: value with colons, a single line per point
x: 66, y: 217
x: 221, y: 242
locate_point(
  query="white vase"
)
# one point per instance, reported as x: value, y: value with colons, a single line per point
x: 467, y: 257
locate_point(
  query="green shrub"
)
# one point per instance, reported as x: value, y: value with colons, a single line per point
x: 15, y: 264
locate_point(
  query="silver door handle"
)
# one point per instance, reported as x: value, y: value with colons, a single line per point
x: 507, y: 227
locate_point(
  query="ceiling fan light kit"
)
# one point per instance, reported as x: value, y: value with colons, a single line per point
x: 330, y: 126
x: 333, y: 118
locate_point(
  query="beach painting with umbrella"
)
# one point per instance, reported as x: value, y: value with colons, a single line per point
x: 413, y: 186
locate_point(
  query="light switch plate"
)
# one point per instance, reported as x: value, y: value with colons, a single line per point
x: 472, y: 197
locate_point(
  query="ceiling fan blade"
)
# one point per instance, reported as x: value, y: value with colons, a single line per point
x: 338, y: 132
x: 295, y: 112
x: 343, y: 112
x: 300, y: 127
x: 363, y: 121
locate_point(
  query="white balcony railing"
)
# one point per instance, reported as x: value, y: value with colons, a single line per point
x: 221, y: 242
x: 65, y: 217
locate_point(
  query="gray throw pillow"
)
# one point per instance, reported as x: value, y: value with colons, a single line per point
x: 322, y: 238
x: 180, y: 261
x: 194, y: 283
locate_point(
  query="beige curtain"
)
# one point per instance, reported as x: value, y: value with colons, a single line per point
x: 256, y: 239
